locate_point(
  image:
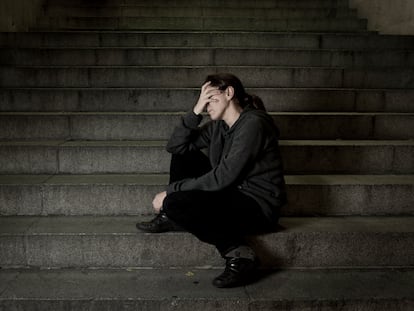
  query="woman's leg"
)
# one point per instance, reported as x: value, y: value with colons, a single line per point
x: 190, y: 164
x: 220, y: 218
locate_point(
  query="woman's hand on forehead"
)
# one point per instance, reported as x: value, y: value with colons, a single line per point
x: 207, y: 92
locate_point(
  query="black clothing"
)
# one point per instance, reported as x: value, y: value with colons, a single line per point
x: 222, y: 218
x: 245, y: 157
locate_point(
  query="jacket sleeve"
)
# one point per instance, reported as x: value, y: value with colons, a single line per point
x: 188, y: 136
x: 248, y: 141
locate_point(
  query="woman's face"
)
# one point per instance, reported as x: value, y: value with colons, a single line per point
x: 218, y: 104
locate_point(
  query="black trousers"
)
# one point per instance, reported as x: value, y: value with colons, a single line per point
x: 221, y: 218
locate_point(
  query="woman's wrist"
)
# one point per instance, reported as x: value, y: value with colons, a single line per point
x: 197, y: 109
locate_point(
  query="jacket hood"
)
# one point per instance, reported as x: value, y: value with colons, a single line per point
x: 250, y: 111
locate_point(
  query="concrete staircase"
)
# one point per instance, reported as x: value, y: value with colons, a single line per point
x: 89, y: 97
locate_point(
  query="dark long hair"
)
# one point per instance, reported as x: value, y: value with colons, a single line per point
x: 224, y: 80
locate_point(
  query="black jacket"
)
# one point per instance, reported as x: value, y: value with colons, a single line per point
x: 245, y: 156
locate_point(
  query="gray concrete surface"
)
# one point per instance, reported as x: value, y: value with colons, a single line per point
x: 204, y: 57
x: 172, y: 100
x: 314, y: 77
x: 213, y: 3
x: 135, y: 126
x: 132, y: 194
x: 131, y: 157
x: 204, y: 23
x: 189, y: 289
x: 375, y: 253
x: 193, y: 10
x: 203, y: 39
x: 303, y: 242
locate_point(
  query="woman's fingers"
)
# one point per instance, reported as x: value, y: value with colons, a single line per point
x: 207, y: 92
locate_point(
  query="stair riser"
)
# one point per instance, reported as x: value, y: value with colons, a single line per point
x: 225, y: 39
x: 130, y: 159
x: 134, y: 11
x: 203, y: 304
x: 292, y: 249
x: 129, y: 199
x: 156, y: 304
x: 205, y: 57
x: 204, y: 23
x: 159, y: 100
x: 184, y: 290
x: 193, y: 77
x: 156, y: 127
x: 211, y: 3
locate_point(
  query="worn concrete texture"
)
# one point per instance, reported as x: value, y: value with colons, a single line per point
x: 158, y: 125
x: 189, y: 289
x: 388, y: 17
x: 315, y: 77
x: 204, y: 57
x: 132, y: 194
x: 213, y: 3
x: 352, y: 263
x: 114, y: 242
x: 345, y: 24
x: 132, y: 157
x: 292, y: 125
x: 173, y: 100
x: 19, y: 15
x: 201, y: 39
x: 240, y: 11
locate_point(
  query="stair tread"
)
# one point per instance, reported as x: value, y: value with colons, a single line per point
x: 235, y: 17
x: 208, y: 32
x: 113, y: 241
x: 208, y: 48
x: 162, y: 179
x: 272, y: 67
x: 162, y: 143
x: 276, y: 89
x: 180, y: 113
x: 125, y: 225
x: 181, y: 287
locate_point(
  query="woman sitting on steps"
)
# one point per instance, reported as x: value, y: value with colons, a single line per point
x: 237, y: 189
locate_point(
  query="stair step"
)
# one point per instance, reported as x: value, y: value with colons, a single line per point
x: 115, y: 242
x: 191, y: 289
x: 132, y: 194
x: 192, y: 76
x: 67, y: 234
x: 300, y: 157
x: 203, y: 23
x: 248, y: 39
x: 211, y: 3
x: 158, y: 126
x: 205, y: 57
x: 151, y: 11
x: 158, y: 100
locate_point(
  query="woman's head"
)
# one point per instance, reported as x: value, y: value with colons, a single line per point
x: 224, y: 80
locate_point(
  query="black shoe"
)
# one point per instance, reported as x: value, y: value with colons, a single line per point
x: 159, y: 224
x: 238, y: 272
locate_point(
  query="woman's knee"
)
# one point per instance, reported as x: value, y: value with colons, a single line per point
x: 182, y: 204
x: 175, y: 204
x: 169, y: 202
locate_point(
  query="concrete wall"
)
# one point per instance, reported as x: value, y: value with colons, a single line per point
x: 387, y: 16
x: 19, y: 15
